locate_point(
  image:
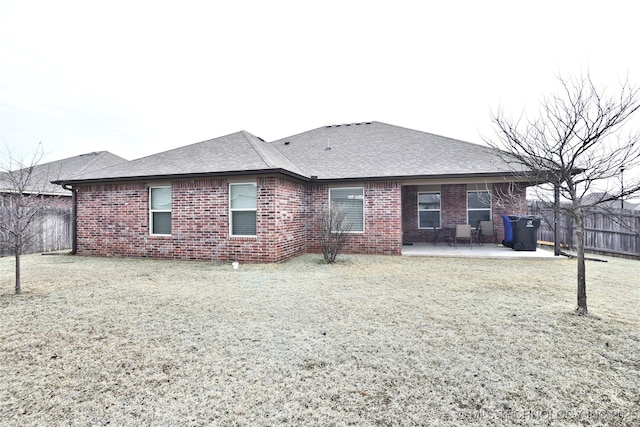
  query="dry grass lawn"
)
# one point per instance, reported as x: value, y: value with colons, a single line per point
x: 369, y: 341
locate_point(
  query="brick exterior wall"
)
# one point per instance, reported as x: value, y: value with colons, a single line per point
x: 410, y: 231
x: 382, y: 222
x: 453, y: 205
x: 113, y: 219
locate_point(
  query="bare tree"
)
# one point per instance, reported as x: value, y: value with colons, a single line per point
x: 573, y: 147
x: 22, y: 202
x: 333, y: 232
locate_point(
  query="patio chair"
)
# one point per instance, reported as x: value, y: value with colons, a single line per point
x: 442, y: 234
x: 463, y: 232
x: 487, y: 231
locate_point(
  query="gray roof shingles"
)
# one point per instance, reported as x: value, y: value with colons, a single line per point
x: 351, y: 151
x: 70, y: 168
x: 375, y: 150
x: 234, y: 153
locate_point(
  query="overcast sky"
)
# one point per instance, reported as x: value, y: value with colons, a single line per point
x: 138, y: 77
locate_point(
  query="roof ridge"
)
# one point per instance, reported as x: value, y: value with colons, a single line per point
x: 260, y: 150
x: 181, y: 147
x: 270, y: 154
x: 95, y: 155
x: 99, y: 156
x: 354, y: 124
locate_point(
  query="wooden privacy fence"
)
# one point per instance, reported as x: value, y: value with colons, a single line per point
x: 49, y: 231
x: 615, y: 231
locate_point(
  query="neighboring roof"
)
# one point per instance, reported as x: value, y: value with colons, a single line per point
x: 239, y: 152
x: 378, y: 150
x: 72, y: 167
x: 370, y: 150
x: 596, y: 198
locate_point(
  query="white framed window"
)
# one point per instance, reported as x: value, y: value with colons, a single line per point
x: 429, y: 209
x: 242, y: 209
x: 160, y: 211
x: 478, y: 207
x: 351, y: 201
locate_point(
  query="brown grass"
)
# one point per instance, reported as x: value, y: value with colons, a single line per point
x: 368, y: 341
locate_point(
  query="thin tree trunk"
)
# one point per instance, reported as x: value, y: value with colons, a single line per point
x: 556, y: 218
x: 18, y: 284
x: 582, y: 280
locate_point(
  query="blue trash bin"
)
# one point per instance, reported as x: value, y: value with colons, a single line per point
x: 508, y: 230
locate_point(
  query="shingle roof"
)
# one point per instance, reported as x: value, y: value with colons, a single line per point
x: 376, y: 150
x: 358, y: 150
x: 70, y: 168
x: 238, y: 152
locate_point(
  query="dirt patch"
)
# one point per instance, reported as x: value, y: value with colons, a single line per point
x: 369, y: 341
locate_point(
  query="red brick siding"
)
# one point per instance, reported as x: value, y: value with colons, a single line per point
x: 410, y: 230
x: 454, y: 208
x: 114, y: 221
x: 281, y: 218
x: 382, y: 215
x: 454, y: 204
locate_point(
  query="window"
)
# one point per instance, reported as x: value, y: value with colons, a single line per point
x: 160, y: 210
x: 429, y: 210
x: 242, y: 209
x: 478, y: 207
x: 351, y: 201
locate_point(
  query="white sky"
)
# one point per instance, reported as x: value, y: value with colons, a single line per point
x: 140, y: 77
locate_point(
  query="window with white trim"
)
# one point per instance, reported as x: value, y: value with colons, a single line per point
x: 160, y: 210
x: 478, y: 207
x: 429, y: 209
x: 242, y: 209
x: 351, y: 201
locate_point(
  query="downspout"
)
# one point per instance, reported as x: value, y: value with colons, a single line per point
x: 74, y: 218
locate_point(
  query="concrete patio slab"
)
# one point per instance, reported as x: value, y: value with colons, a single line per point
x: 485, y: 251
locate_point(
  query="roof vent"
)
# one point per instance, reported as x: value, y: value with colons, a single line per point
x: 367, y: 123
x: 287, y: 142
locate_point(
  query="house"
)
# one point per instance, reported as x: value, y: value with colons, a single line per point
x: 238, y: 197
x: 39, y: 178
x: 606, y: 200
x: 32, y: 184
